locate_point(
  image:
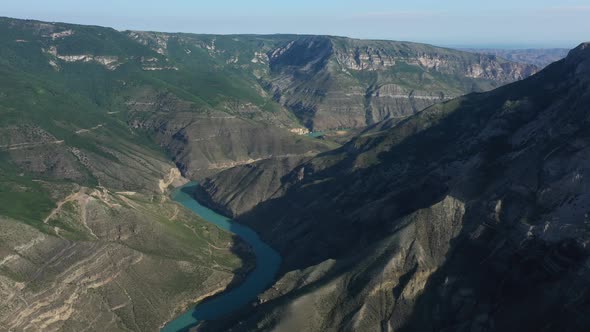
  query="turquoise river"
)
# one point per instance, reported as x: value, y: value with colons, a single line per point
x: 258, y: 280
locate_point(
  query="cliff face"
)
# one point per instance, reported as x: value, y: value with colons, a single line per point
x: 469, y: 215
x: 331, y: 82
x: 539, y: 57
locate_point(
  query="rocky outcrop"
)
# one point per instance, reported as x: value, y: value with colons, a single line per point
x: 156, y: 41
x: 173, y: 178
x: 300, y: 131
x: 367, y: 59
x: 109, y: 62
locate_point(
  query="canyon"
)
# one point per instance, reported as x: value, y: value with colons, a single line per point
x: 424, y: 154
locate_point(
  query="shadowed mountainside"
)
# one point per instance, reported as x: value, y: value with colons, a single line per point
x: 470, y: 215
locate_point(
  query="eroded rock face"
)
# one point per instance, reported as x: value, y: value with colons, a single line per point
x: 369, y: 59
x: 334, y: 83
x: 482, y: 66
x: 538, y: 57
x: 156, y: 41
x: 109, y: 62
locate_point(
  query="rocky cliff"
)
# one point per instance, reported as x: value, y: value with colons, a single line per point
x: 540, y: 57
x: 331, y: 82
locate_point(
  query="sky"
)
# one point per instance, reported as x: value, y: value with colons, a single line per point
x: 457, y: 23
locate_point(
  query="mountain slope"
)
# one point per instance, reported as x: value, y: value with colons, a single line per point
x: 470, y: 215
x: 90, y: 239
x: 168, y: 93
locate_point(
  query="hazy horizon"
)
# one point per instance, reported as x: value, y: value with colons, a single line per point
x: 460, y: 24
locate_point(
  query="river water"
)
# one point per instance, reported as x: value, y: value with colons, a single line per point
x: 257, y: 281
